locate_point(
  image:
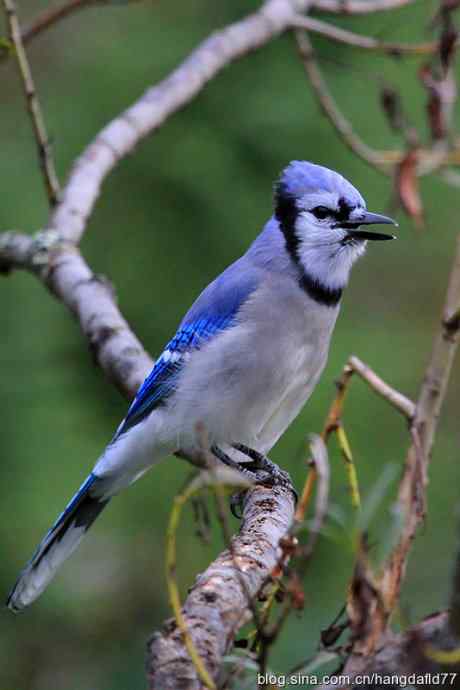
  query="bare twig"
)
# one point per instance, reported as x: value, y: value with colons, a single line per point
x: 320, y: 462
x: 394, y: 397
x: 330, y: 108
x: 333, y: 423
x: 349, y: 38
x: 52, y: 16
x: 358, y: 6
x: 33, y: 105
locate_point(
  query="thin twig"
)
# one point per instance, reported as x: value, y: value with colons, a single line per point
x: 391, y: 395
x: 320, y: 462
x: 52, y: 16
x: 349, y: 38
x: 331, y: 109
x: 33, y: 105
x: 358, y: 6
x: 334, y: 423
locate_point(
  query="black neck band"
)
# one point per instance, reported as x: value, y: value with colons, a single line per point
x: 328, y: 297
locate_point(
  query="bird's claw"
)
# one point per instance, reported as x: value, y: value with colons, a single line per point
x: 265, y: 471
x: 260, y: 470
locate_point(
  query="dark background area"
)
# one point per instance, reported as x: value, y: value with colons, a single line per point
x: 170, y: 218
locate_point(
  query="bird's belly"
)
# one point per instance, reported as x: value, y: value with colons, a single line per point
x: 290, y: 401
x: 259, y: 404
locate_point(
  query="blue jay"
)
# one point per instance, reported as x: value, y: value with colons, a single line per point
x: 244, y: 361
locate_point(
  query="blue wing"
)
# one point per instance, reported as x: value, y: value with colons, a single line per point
x: 214, y: 311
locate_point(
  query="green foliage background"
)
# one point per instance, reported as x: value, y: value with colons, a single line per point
x: 172, y: 216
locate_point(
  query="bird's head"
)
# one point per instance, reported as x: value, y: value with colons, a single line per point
x: 320, y: 214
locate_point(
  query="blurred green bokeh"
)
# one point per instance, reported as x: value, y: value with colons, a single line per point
x: 172, y: 216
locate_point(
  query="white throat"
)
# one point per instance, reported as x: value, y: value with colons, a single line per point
x: 322, y: 255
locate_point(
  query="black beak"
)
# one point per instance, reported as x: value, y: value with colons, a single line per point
x: 369, y: 219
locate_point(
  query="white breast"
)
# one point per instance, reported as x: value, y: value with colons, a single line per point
x: 305, y: 350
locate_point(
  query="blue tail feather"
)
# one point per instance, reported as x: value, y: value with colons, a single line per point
x: 61, y: 540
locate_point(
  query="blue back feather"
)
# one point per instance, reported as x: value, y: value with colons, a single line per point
x: 215, y: 310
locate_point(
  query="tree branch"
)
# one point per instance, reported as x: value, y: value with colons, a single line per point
x: 62, y: 269
x: 217, y: 605
x: 15, y: 251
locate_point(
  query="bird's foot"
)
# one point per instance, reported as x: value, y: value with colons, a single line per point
x: 259, y: 470
x: 264, y: 470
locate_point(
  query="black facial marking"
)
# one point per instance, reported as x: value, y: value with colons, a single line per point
x: 286, y: 213
x: 328, y: 297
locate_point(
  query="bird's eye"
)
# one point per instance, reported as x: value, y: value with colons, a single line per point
x: 321, y: 212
